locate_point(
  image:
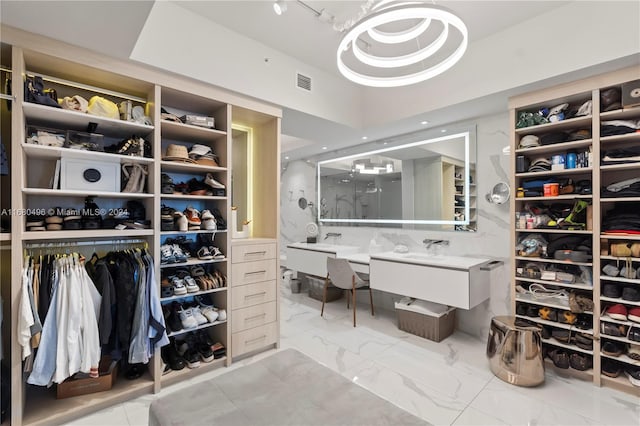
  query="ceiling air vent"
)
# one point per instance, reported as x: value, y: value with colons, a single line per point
x: 303, y: 82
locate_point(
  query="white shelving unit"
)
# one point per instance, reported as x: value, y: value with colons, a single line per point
x: 600, y: 175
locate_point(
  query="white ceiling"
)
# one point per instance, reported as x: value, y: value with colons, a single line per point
x: 113, y: 27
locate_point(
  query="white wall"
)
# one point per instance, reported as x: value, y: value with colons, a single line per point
x: 492, y: 238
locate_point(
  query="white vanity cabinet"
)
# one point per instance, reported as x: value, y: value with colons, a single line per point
x: 451, y: 280
x: 311, y: 258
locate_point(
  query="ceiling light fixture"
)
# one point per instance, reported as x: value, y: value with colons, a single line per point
x: 279, y: 7
x: 382, y: 70
x: 424, y: 122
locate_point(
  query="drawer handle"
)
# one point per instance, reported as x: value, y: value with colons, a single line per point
x: 262, y: 293
x: 247, y: 342
x: 255, y: 317
x: 249, y: 253
x: 255, y: 272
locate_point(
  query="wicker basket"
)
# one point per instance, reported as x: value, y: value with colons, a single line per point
x: 316, y: 287
x: 430, y: 327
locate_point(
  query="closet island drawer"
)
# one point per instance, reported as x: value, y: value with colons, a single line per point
x: 255, y: 338
x: 254, y: 316
x: 253, y: 272
x: 253, y: 294
x: 251, y: 252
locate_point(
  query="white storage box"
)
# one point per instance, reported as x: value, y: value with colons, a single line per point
x: 89, y: 176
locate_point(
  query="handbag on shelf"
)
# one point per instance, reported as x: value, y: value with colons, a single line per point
x: 136, y: 176
x: 35, y: 92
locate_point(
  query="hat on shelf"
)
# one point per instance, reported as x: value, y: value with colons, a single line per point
x: 529, y: 141
x: 578, y: 135
x: 202, y: 154
x: 166, y: 115
x: 177, y: 153
x: 610, y: 99
x: 75, y: 103
x: 103, y: 107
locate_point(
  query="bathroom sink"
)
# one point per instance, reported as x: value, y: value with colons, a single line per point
x: 425, y: 256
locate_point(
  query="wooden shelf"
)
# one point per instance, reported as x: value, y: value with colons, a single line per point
x: 176, y: 166
x: 620, y: 237
x: 618, y: 339
x: 200, y: 327
x: 620, y: 383
x: 197, y: 293
x: 564, y: 262
x: 190, y: 197
x: 188, y: 133
x: 83, y: 194
x: 582, y: 170
x: 619, y: 199
x: 40, y: 151
x: 187, y: 373
x: 202, y: 231
x: 554, y: 303
x: 581, y: 286
x: 572, y: 123
x: 607, y: 318
x: 633, y: 259
x: 64, y: 119
x: 5, y: 236
x: 92, y: 234
x: 554, y: 342
x: 191, y: 262
x: 557, y: 147
x: 620, y: 279
x: 622, y: 301
x: 553, y: 231
x: 556, y: 198
x: 620, y: 114
x: 628, y: 137
x: 42, y: 407
x: 626, y: 166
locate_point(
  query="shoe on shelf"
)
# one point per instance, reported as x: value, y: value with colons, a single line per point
x: 617, y: 330
x: 190, y: 284
x: 560, y: 358
x: 173, y: 320
x: 222, y: 278
x: 178, y: 286
x: 631, y: 294
x: 181, y: 188
x: 633, y: 373
x: 186, y: 317
x: 189, y: 354
x: 221, y: 224
x: 208, y: 221
x: 197, y: 314
x: 166, y: 254
x: 633, y: 352
x: 181, y: 223
x: 35, y: 223
x: 197, y: 187
x: 179, y: 255
x: 611, y: 290
x: 193, y: 216
x: 205, y: 352
x: 612, y: 348
x: 218, y: 350
x: 617, y: 311
x: 209, y: 180
x: 166, y: 184
x: 216, y: 253
x: 171, y: 357
x: 610, y: 368
x: 634, y: 314
x: 634, y: 334
x: 204, y: 254
x: 580, y: 362
x: 222, y: 314
x: 209, y: 312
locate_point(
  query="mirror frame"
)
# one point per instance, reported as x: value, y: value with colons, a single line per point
x: 465, y: 134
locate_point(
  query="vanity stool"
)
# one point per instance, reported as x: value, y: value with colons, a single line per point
x: 515, y: 352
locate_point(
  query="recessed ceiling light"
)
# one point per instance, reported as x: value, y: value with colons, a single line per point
x: 308, y: 161
x: 279, y: 7
x: 443, y: 130
x: 385, y: 143
x: 424, y: 122
x: 286, y: 158
x: 364, y: 138
x: 324, y: 147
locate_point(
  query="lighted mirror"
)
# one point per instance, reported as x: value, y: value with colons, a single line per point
x: 428, y: 183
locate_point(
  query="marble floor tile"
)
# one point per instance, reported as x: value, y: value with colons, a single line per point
x: 114, y: 415
x: 471, y: 416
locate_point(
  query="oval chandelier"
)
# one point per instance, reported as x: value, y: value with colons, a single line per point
x: 405, y: 42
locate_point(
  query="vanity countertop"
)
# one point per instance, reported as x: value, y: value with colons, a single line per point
x: 442, y: 261
x: 326, y: 248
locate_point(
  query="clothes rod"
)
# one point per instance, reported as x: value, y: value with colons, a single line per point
x: 84, y: 243
x: 7, y: 97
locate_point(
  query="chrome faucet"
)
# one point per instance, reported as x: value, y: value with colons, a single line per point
x: 332, y: 234
x: 428, y: 242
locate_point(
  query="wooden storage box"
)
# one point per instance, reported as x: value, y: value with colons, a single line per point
x: 107, y: 370
x: 316, y: 288
x: 430, y: 327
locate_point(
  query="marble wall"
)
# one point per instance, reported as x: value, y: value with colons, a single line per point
x: 491, y: 240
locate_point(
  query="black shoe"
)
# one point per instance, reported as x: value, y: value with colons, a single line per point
x: 521, y: 309
x: 611, y: 290
x: 136, y: 210
x: 72, y: 220
x: 91, y: 217
x: 610, y: 368
x: 173, y: 320
x: 221, y: 224
x: 634, y: 334
x: 166, y: 184
x: 580, y: 362
x: 631, y: 293
x: 171, y: 358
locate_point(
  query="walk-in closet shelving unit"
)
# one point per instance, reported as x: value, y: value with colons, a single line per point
x: 576, y: 93
x: 32, y: 169
x: 72, y: 70
x: 217, y: 139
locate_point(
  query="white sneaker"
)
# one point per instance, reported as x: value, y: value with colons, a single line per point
x: 197, y: 314
x: 208, y: 221
x: 191, y: 285
x: 187, y: 319
x: 181, y: 222
x: 222, y: 314
x: 209, y: 312
x: 209, y: 180
x: 178, y: 286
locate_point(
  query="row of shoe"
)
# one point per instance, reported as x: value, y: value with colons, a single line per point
x: 208, y: 186
x: 569, y: 337
x: 581, y: 321
x: 626, y: 271
x: 620, y: 330
x: 182, y: 282
x: 616, y: 291
x: 174, y: 253
x: 185, y: 316
x: 189, y: 350
x: 612, y: 368
x: 615, y: 349
x: 564, y: 359
x: 190, y: 219
x: 621, y: 313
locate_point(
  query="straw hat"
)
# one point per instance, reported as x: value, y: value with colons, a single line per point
x: 177, y: 153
